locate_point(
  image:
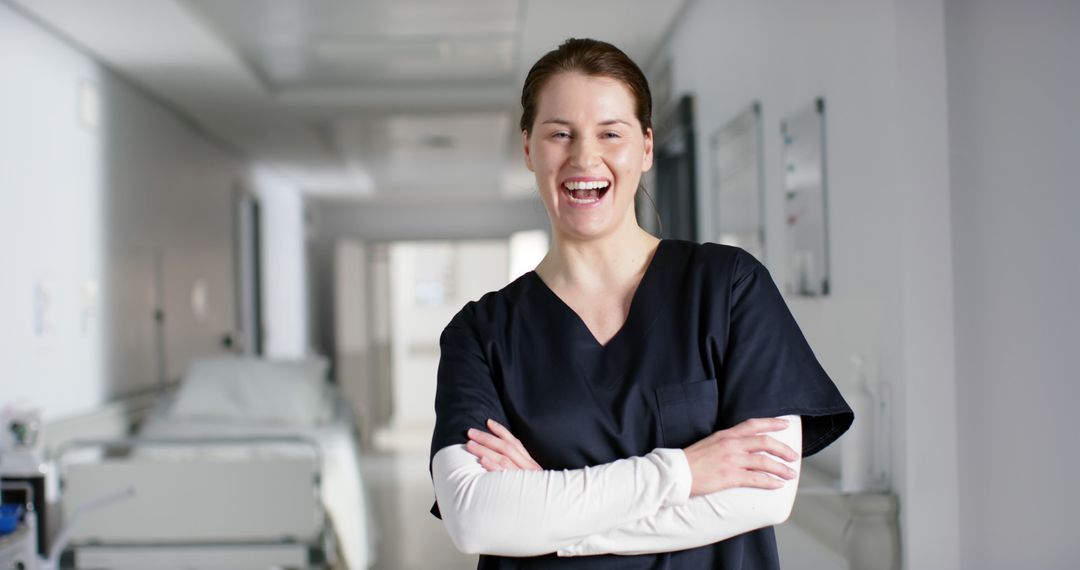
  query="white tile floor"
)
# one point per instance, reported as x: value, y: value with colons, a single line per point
x: 409, y: 538
x: 800, y: 551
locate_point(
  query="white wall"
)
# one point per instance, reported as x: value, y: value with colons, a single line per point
x: 353, y: 348
x: 44, y: 270
x: 476, y: 267
x: 351, y: 296
x: 1014, y: 86
x: 134, y: 205
x: 880, y: 67
x: 283, y: 266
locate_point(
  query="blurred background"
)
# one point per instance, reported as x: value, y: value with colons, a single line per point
x: 232, y: 231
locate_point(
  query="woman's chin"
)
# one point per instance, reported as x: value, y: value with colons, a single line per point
x: 589, y: 221
x: 579, y: 227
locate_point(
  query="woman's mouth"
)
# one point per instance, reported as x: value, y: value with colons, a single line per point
x: 585, y: 192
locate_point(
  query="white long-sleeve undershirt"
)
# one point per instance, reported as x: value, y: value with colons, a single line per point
x: 705, y: 519
x: 638, y: 505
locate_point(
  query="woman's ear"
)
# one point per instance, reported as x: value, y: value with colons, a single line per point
x: 647, y: 158
x: 528, y: 155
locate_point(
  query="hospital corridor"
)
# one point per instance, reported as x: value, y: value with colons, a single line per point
x: 266, y: 266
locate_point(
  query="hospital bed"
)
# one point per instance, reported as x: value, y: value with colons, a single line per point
x: 249, y: 464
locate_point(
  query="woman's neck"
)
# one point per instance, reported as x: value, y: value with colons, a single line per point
x: 599, y: 263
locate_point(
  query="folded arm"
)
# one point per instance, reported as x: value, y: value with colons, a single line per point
x: 529, y: 513
x: 505, y: 504
x: 705, y: 519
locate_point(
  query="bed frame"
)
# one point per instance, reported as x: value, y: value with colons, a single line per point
x: 207, y: 511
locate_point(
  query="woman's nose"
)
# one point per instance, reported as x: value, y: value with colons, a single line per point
x: 585, y: 153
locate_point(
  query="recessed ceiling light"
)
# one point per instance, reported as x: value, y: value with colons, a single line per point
x: 89, y: 105
x: 438, y: 141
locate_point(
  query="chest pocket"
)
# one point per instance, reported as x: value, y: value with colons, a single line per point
x: 688, y: 412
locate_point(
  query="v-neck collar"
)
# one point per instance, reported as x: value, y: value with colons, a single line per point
x: 639, y: 317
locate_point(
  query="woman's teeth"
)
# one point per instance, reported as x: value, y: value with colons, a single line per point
x: 582, y: 192
x: 585, y: 185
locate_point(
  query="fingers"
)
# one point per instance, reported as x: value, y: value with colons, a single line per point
x: 764, y: 443
x: 519, y: 454
x: 763, y: 464
x: 489, y: 441
x: 742, y: 456
x: 495, y: 464
x: 756, y: 426
x: 490, y: 459
x: 497, y: 429
x: 757, y: 480
x: 503, y: 450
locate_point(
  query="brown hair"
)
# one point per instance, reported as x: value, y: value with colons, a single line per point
x: 588, y: 57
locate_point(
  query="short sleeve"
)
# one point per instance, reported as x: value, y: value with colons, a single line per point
x: 769, y: 369
x: 465, y: 396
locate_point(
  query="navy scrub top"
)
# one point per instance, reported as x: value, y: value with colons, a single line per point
x: 708, y: 342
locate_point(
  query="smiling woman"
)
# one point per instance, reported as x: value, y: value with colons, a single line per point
x: 588, y: 151
x: 647, y: 402
x: 587, y: 129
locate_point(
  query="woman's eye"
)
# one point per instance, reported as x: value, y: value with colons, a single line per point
x: 561, y: 135
x: 611, y: 135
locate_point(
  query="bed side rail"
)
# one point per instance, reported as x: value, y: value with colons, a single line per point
x: 205, y: 497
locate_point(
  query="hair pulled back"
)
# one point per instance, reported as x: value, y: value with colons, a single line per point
x: 588, y: 57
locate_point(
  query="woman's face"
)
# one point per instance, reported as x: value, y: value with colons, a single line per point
x: 587, y: 152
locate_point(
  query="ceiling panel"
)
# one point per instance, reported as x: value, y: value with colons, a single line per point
x: 635, y: 26
x: 333, y: 44
x: 425, y: 155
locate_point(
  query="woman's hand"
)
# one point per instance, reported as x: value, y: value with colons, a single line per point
x: 741, y: 456
x: 499, y: 449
